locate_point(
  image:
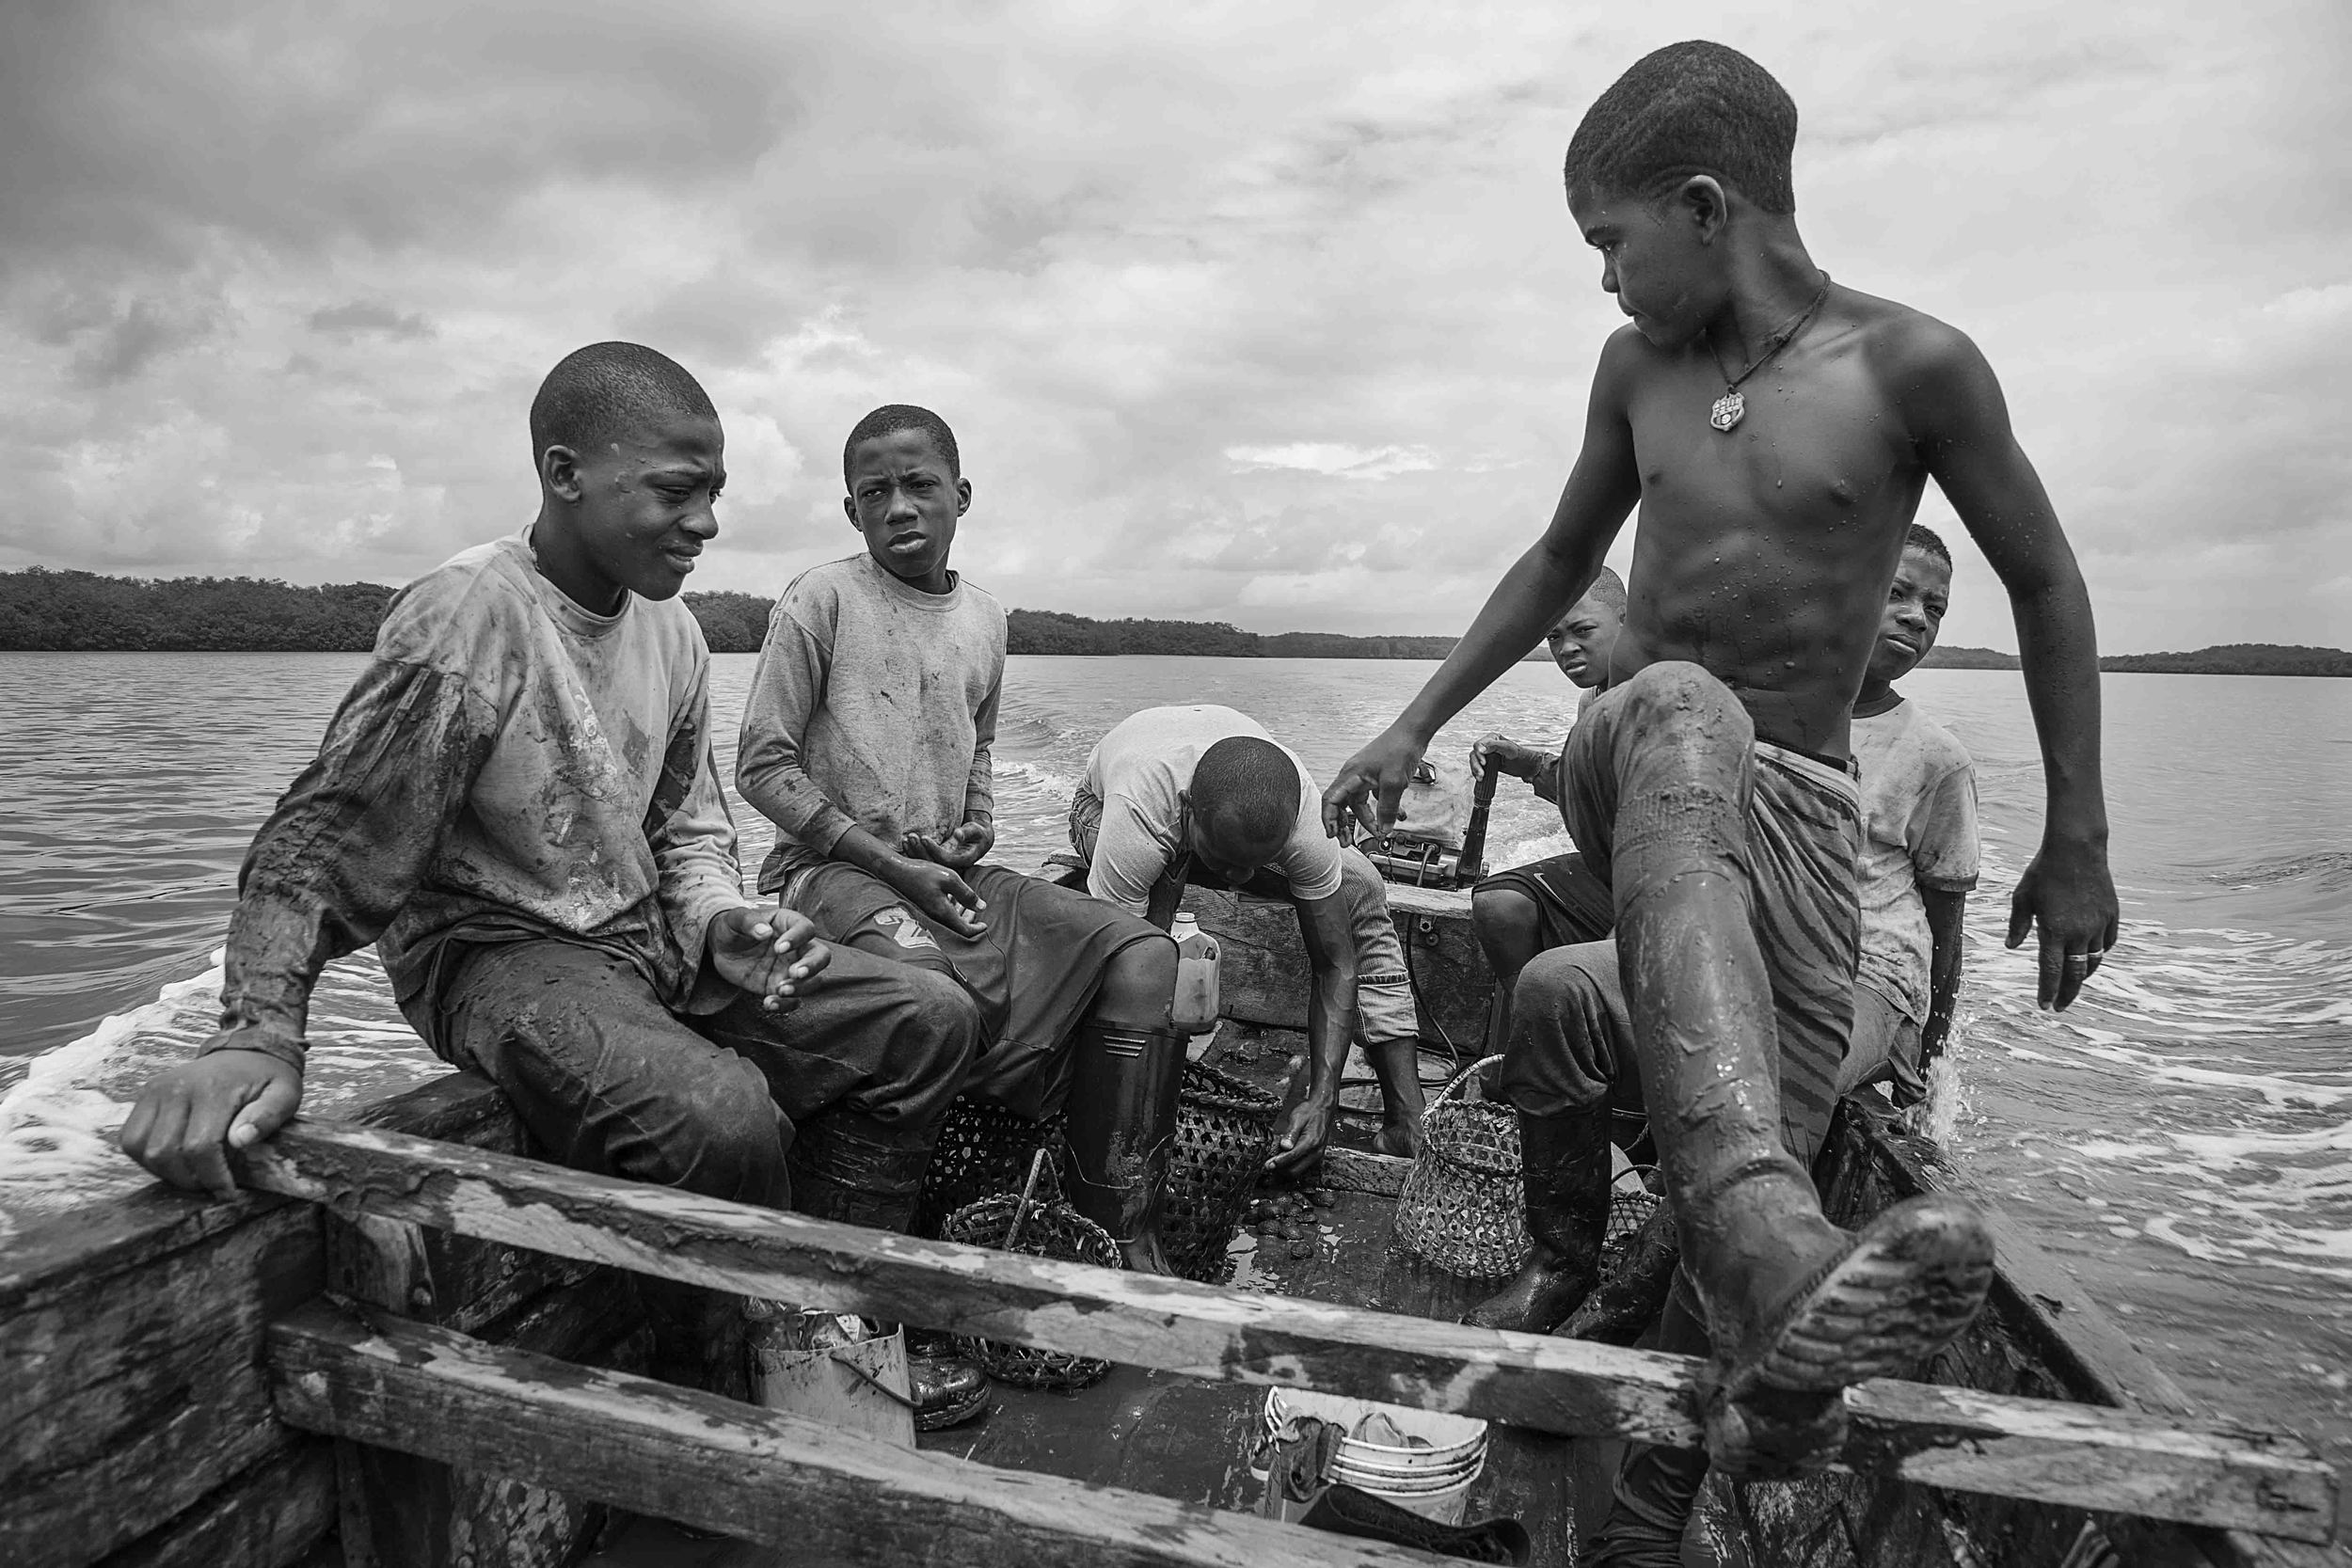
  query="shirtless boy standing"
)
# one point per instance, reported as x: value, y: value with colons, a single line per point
x: 1777, y: 432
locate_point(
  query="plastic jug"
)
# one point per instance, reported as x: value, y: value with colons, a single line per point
x: 1196, y: 1010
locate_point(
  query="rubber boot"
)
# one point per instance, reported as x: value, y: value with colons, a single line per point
x: 1632, y: 1294
x: 1565, y: 1161
x: 1121, y: 1134
x: 1649, y: 1507
x: 850, y: 1168
x: 1656, y: 1489
x: 1797, y: 1309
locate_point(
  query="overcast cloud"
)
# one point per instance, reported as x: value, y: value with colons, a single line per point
x: 1263, y: 312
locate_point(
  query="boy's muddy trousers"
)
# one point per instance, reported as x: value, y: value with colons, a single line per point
x: 1733, y: 876
x: 608, y: 1079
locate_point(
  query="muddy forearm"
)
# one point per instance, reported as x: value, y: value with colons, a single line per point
x: 348, y: 845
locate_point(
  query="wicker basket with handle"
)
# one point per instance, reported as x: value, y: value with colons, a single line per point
x: 1464, y: 1206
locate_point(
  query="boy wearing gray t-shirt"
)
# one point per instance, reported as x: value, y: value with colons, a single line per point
x: 867, y: 740
x: 1918, y: 853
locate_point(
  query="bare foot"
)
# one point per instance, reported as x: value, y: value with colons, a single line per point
x: 1402, y: 1139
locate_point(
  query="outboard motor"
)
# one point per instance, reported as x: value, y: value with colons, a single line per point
x: 1440, y: 835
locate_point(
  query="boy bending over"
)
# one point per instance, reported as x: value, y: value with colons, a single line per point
x: 867, y: 740
x: 516, y: 803
x: 1710, y: 785
x: 1175, y: 797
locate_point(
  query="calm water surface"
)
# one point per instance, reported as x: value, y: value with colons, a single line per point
x: 2181, y: 1138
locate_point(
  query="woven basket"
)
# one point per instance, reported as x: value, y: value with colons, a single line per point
x: 1464, y: 1206
x: 1224, y: 1130
x: 1630, y: 1205
x: 1051, y: 1230
x: 983, y: 1148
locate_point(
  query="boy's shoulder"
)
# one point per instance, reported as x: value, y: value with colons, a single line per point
x: 461, y: 615
x: 857, y: 576
x: 1905, y: 346
x: 1931, y: 753
x: 478, y: 594
x: 825, y: 580
x: 1942, y: 749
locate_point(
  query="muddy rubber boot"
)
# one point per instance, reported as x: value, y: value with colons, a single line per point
x: 1629, y: 1299
x: 1121, y: 1134
x: 1656, y: 1490
x: 948, y: 1387
x: 1565, y: 1161
x: 854, y: 1169
x: 1797, y: 1309
x: 1650, y: 1506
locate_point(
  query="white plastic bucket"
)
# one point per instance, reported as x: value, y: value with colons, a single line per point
x: 834, y: 1369
x: 1434, y: 1481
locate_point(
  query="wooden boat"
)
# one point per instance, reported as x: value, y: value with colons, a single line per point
x: 410, y: 1345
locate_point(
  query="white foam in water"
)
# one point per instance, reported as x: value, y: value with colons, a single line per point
x: 59, y: 1122
x: 57, y: 1125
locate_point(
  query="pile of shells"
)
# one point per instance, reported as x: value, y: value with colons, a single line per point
x: 1292, y: 1217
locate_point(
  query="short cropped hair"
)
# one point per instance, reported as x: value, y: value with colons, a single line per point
x: 1248, y: 788
x: 597, y: 394
x: 1688, y: 108
x: 1920, y: 537
x: 1609, y: 589
x: 892, y: 417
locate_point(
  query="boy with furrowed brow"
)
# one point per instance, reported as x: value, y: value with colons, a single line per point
x: 1709, y: 784
x: 867, y: 740
x: 516, y: 803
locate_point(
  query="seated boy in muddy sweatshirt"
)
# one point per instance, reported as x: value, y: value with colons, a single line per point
x: 516, y: 803
x: 867, y: 740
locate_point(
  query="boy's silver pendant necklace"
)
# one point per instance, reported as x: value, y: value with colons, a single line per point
x: 1732, y: 407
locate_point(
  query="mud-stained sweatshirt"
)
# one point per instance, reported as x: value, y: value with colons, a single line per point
x: 874, y: 705
x: 509, y: 766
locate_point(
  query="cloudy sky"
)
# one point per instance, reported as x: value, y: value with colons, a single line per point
x: 1266, y: 312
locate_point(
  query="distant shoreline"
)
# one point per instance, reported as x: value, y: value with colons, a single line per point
x: 46, y: 611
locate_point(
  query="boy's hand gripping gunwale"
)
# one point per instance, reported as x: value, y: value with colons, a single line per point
x: 188, y: 1118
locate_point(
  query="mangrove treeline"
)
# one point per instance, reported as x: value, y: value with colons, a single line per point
x: 46, y: 611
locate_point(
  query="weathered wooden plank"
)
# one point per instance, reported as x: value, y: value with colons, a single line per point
x: 1551, y: 1385
x: 67, y: 1251
x: 268, y: 1517
x: 1941, y: 1437
x: 401, y: 1510
x: 2064, y: 1336
x: 124, y: 1401
x: 2087, y: 1456
x: 826, y: 1496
